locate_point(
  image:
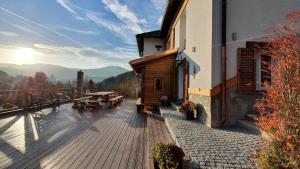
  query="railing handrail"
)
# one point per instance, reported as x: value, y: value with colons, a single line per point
x: 22, y: 90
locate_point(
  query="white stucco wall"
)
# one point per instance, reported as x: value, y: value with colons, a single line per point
x: 199, y: 35
x: 251, y: 20
x: 177, y: 35
x: 180, y: 33
x: 149, y: 45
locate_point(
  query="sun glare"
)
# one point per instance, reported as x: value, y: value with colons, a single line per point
x: 23, y: 55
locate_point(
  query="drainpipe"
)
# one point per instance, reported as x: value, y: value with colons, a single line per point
x: 223, y: 61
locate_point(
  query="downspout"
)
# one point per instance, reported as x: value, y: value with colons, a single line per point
x: 223, y: 61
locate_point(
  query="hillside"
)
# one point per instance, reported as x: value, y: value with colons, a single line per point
x: 61, y: 73
x: 125, y: 83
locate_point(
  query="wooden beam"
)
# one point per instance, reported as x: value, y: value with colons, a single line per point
x: 216, y: 90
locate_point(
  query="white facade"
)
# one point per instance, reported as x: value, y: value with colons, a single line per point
x: 193, y: 38
x: 150, y: 45
x: 253, y: 20
x: 198, y: 38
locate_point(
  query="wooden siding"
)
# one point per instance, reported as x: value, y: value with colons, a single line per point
x: 162, y: 68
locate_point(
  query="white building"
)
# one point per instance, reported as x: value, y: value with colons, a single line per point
x: 216, y: 42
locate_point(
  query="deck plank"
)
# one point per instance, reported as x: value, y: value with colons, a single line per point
x: 115, y: 150
x: 76, y: 146
x: 117, y: 138
x: 111, y: 147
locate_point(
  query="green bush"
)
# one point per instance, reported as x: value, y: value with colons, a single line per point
x: 167, y: 155
x: 7, y: 106
x: 272, y: 157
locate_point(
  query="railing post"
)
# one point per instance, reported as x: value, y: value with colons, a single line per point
x: 80, y: 76
x: 72, y: 94
x: 26, y: 98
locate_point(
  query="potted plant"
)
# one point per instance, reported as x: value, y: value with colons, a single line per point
x: 167, y: 156
x: 188, y: 107
x: 164, y: 101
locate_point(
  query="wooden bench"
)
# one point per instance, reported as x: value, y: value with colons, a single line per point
x: 93, y: 104
x: 113, y: 101
x: 79, y: 100
x: 139, y: 105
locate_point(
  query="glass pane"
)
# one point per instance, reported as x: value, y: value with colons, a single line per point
x: 159, y: 84
x: 265, y: 69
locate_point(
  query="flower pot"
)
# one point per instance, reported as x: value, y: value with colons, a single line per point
x: 165, y: 103
x: 189, y: 115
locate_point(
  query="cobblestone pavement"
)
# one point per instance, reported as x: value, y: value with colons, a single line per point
x: 212, y: 148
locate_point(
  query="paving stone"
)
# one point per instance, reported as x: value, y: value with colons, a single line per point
x: 232, y: 147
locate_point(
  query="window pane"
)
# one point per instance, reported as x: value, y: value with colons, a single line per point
x: 159, y: 84
x: 265, y: 69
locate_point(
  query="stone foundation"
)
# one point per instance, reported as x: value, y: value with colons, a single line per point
x: 210, y: 109
x: 239, y: 105
x: 204, y: 109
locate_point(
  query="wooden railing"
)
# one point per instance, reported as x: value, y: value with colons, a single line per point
x: 27, y: 99
x: 18, y: 100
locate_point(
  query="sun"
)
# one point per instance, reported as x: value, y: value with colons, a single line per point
x: 23, y: 55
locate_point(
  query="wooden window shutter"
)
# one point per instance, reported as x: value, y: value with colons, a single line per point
x: 246, y: 70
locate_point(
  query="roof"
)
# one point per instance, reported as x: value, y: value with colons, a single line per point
x: 140, y: 39
x: 170, y: 14
x: 158, y: 55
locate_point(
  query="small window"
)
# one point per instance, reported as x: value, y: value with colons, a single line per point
x: 265, y: 69
x: 158, y: 47
x: 159, y: 84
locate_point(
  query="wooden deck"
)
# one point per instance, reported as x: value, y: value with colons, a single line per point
x: 66, y: 138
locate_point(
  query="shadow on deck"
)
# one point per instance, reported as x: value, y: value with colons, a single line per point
x: 63, y: 137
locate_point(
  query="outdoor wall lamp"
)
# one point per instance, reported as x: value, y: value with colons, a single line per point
x: 194, y: 71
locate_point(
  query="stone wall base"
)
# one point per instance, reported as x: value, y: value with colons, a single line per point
x: 209, y: 111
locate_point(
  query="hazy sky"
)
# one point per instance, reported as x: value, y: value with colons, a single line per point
x: 75, y: 33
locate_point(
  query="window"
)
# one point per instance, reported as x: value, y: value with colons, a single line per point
x: 159, y: 85
x: 158, y: 47
x: 265, y: 69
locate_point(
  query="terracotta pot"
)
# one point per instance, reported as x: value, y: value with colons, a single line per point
x: 189, y: 115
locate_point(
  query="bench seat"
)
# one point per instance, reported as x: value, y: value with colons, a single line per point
x: 115, y: 100
x: 79, y: 100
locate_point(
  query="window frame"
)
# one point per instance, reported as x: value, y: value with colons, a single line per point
x: 259, y: 83
x: 163, y: 84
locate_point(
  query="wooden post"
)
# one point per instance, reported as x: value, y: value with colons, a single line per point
x: 72, y: 94
x: 80, y: 75
x: 26, y: 98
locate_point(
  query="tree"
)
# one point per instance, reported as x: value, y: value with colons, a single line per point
x: 3, y: 74
x: 280, y: 106
x: 30, y: 83
x: 41, y: 80
x: 91, y: 84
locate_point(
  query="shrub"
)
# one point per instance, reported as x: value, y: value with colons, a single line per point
x: 167, y: 155
x: 188, y: 106
x: 280, y: 106
x: 177, y: 153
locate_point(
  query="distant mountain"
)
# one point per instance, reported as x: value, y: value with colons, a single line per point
x: 61, y: 73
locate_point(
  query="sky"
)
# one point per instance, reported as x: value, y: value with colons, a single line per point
x: 75, y: 33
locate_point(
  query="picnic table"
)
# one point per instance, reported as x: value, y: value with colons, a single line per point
x: 103, y: 95
x: 78, y: 100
